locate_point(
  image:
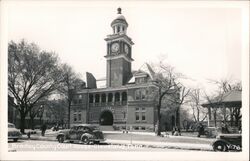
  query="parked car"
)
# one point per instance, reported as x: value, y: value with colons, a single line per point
x: 13, y: 133
x: 227, y: 142
x: 82, y: 133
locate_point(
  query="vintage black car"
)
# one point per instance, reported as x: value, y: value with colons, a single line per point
x: 228, y: 142
x: 82, y: 133
x: 13, y: 133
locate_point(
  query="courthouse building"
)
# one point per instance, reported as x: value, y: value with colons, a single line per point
x: 125, y: 101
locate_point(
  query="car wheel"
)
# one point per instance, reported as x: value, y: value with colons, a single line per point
x: 60, y: 139
x: 96, y: 142
x: 85, y: 140
x: 219, y: 146
x: 15, y: 140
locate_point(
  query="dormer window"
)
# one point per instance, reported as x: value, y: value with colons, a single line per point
x: 140, y: 80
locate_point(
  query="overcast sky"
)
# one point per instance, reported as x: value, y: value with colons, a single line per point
x: 200, y: 42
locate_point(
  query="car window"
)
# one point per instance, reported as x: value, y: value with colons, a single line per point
x: 80, y: 128
x: 94, y: 128
x: 74, y: 128
x: 11, y: 126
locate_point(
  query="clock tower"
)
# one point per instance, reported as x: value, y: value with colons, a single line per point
x: 119, y: 52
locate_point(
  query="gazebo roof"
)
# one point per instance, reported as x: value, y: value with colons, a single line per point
x: 230, y: 99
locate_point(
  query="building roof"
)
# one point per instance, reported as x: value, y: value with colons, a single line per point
x: 229, y: 99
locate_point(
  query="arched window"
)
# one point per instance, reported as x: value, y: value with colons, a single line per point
x: 91, y: 98
x: 117, y: 97
x: 124, y: 96
x: 118, y: 29
x: 110, y: 97
x: 103, y: 97
x: 97, y: 98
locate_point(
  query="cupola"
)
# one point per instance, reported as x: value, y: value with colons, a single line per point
x: 119, y: 24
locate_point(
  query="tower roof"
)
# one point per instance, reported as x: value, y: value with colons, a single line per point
x: 120, y: 18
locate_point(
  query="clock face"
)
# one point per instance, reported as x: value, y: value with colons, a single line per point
x: 115, y: 47
x: 126, y: 49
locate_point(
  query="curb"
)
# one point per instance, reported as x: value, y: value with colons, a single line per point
x: 164, y: 147
x: 112, y: 142
x: 152, y: 145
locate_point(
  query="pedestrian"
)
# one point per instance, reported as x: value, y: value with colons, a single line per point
x: 224, y: 128
x: 43, y: 128
x: 200, y: 130
x: 239, y: 129
x: 174, y: 130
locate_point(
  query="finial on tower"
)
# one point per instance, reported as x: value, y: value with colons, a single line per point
x: 119, y: 10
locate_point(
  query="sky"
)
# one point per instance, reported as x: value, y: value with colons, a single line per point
x: 202, y: 42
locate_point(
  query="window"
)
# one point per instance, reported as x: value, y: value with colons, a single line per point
x: 79, y: 116
x: 117, y: 97
x: 137, y: 116
x: 140, y: 114
x: 143, y: 116
x: 97, y: 98
x: 137, y: 94
x: 91, y: 98
x: 103, y: 97
x: 110, y: 97
x: 124, y: 96
x: 80, y: 96
x: 143, y: 94
x: 118, y: 29
x: 140, y: 94
x: 75, y: 117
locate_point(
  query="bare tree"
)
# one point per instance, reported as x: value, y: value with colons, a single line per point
x: 71, y: 82
x: 167, y: 82
x: 32, y: 76
x: 59, y: 110
x: 178, y: 101
x: 34, y: 112
x: 199, y: 113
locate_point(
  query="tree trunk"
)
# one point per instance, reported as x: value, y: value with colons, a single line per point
x: 32, y: 123
x: 177, y: 118
x: 159, y: 120
x: 22, y: 122
x: 69, y: 114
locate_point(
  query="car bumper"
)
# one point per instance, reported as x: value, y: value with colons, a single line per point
x: 98, y: 140
x: 14, y: 137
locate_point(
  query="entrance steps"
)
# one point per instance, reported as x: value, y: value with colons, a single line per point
x: 106, y: 128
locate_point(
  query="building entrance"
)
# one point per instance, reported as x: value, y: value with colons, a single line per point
x: 106, y: 118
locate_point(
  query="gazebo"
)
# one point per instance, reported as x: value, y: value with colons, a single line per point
x: 230, y: 105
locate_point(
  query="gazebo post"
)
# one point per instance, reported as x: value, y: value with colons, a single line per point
x: 224, y: 112
x: 209, y: 116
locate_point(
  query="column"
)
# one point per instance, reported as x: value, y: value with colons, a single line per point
x: 120, y: 98
x: 209, y: 116
x: 113, y: 99
x: 107, y: 97
x: 224, y: 113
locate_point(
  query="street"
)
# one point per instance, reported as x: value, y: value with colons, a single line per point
x: 37, y: 145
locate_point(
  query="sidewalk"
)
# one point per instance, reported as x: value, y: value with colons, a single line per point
x: 152, y: 141
x: 184, y: 146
